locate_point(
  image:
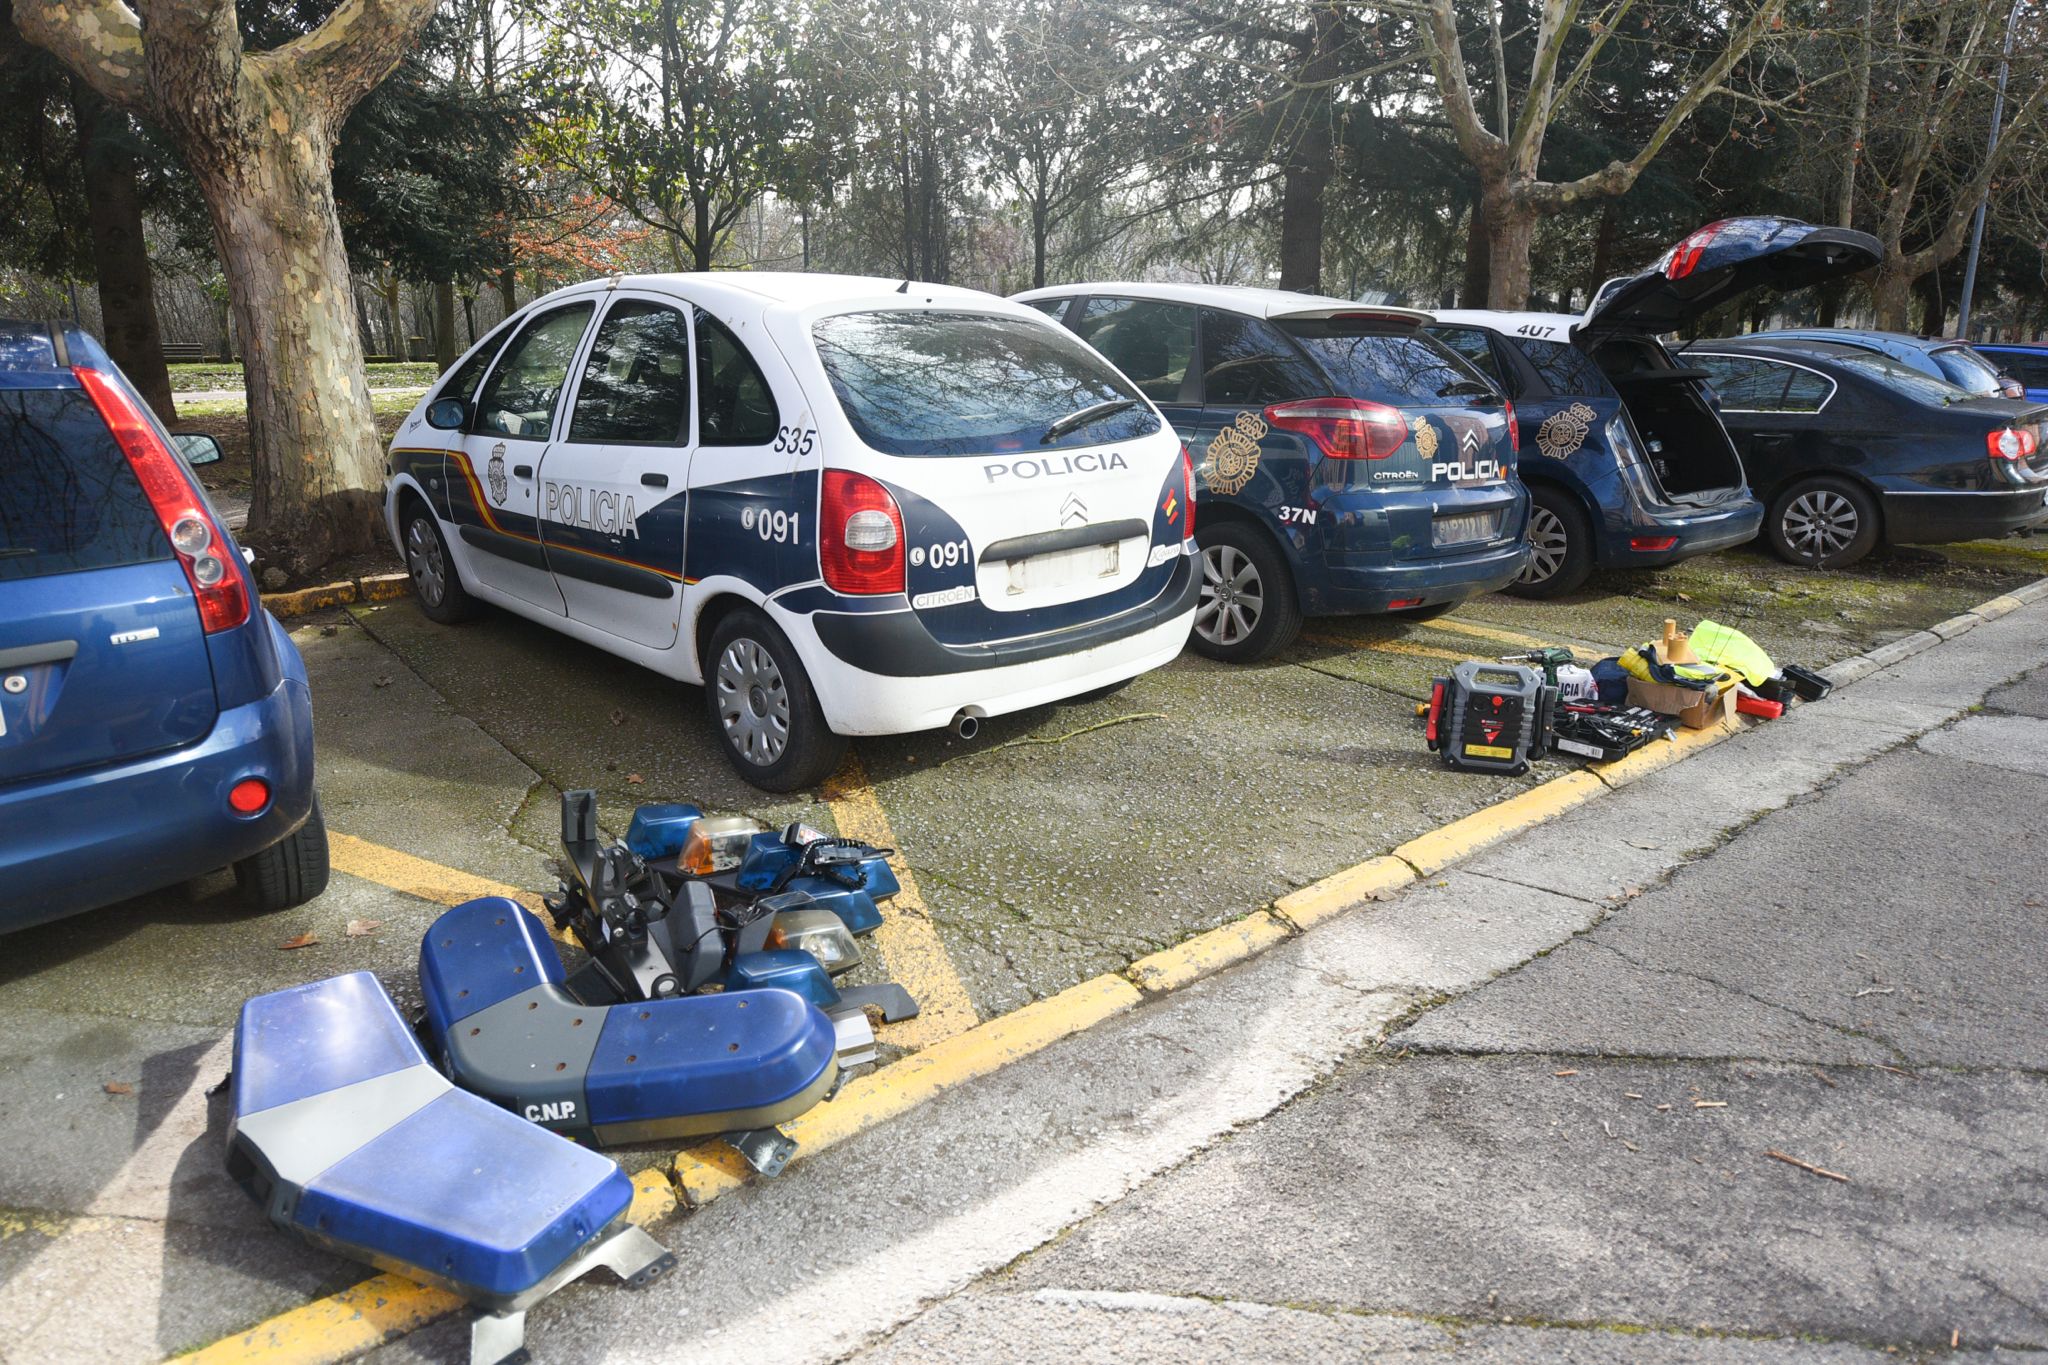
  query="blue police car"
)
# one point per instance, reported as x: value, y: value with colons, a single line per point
x: 154, y: 719
x: 1345, y: 461
x: 2026, y: 362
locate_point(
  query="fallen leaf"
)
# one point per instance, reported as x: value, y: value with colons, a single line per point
x: 305, y: 940
x: 634, y: 780
x: 363, y: 928
x: 1564, y: 1073
x: 119, y: 1088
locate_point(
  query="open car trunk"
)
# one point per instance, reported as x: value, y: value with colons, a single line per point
x: 1688, y: 452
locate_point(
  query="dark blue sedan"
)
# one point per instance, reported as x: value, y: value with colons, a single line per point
x: 154, y: 719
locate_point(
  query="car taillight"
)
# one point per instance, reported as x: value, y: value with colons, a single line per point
x: 1343, y: 428
x: 2013, y: 443
x: 1187, y: 491
x: 1514, y: 431
x: 210, y: 563
x: 860, y: 535
x: 1686, y: 255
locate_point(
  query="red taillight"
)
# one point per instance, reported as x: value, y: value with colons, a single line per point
x: 211, y: 565
x: 1343, y: 428
x: 248, y: 796
x: 2013, y: 443
x: 860, y: 535
x: 1686, y: 254
x: 1651, y: 544
x: 1514, y: 432
x: 1187, y: 491
x: 1403, y: 603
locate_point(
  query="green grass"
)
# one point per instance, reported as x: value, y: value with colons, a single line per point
x: 212, y: 374
x: 395, y: 406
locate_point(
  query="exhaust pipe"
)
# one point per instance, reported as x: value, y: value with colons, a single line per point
x: 966, y: 725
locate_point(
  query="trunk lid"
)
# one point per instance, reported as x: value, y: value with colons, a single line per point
x: 1722, y: 261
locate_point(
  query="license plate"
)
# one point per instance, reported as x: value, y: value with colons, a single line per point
x: 1041, y: 573
x: 1465, y: 529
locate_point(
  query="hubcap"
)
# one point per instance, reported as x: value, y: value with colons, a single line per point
x: 1820, y: 523
x: 753, y: 702
x: 423, y: 558
x: 1232, y: 596
x: 1547, y: 545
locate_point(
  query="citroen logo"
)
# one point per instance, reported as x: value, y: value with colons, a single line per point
x: 1073, y: 512
x: 1469, y: 442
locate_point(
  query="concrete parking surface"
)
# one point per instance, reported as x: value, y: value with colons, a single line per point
x: 1066, y: 841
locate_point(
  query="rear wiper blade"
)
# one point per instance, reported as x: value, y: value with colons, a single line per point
x: 15, y: 552
x: 1465, y: 386
x: 1094, y: 412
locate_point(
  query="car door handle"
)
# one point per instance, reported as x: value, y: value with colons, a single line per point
x: 523, y: 471
x: 655, y: 480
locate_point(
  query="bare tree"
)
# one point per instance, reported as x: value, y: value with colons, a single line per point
x: 257, y: 131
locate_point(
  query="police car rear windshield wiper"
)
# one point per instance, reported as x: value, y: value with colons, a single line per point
x: 1465, y: 387
x: 15, y: 552
x: 1094, y: 412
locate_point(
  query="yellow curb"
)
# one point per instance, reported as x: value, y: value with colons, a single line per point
x: 380, y: 1309
x: 1207, y: 953
x: 1439, y: 848
x: 1664, y: 753
x: 305, y: 600
x: 706, y: 1171
x: 1374, y: 879
x: 383, y: 587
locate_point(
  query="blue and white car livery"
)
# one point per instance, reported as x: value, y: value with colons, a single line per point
x: 847, y: 506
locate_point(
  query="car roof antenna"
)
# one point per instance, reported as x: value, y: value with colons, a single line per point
x: 903, y: 288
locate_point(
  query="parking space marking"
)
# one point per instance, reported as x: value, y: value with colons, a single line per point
x: 1458, y: 626
x: 907, y: 940
x: 424, y: 878
x: 1385, y: 647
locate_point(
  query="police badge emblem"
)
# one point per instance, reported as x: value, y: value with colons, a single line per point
x: 1233, y: 455
x: 495, y: 473
x: 1565, y: 430
x: 1425, y: 438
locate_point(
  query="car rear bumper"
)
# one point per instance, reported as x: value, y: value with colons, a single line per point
x: 1373, y: 583
x: 1699, y: 533
x: 1942, y: 518
x: 885, y: 674
x: 83, y: 840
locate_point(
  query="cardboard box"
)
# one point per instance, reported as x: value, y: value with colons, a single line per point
x: 1695, y: 710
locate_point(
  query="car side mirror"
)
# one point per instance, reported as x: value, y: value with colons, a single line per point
x: 198, y: 448
x: 447, y: 414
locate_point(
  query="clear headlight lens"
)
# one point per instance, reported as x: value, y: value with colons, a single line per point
x: 819, y: 933
x: 716, y: 844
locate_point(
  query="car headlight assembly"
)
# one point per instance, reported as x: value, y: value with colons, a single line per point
x: 819, y: 933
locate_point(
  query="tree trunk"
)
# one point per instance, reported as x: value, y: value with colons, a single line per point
x: 1510, y: 233
x: 1041, y: 228
x: 318, y: 465
x: 1472, y: 293
x: 394, y: 320
x: 444, y: 325
x: 508, y: 290
x: 1933, y: 308
x: 1301, y: 230
x: 1890, y: 293
x: 120, y: 258
x: 1603, y: 246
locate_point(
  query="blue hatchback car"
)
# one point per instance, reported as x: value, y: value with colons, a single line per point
x: 2025, y: 361
x: 154, y: 719
x: 1345, y: 462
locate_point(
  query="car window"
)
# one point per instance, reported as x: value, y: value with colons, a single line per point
x: 69, y: 500
x: 520, y: 396
x: 1395, y: 365
x: 2029, y: 369
x: 636, y: 384
x: 1966, y: 369
x: 1901, y: 378
x: 1248, y: 361
x: 1806, y: 391
x: 1151, y: 342
x: 1745, y: 383
x: 735, y: 406
x: 462, y: 380
x: 943, y: 383
x: 1472, y: 344
x: 1564, y: 369
x: 1052, y: 308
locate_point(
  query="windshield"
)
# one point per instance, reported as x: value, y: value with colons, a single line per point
x: 1404, y: 369
x: 1965, y: 368
x: 1901, y: 377
x: 930, y: 383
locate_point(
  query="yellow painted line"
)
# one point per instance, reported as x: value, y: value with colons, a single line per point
x: 907, y: 940
x: 1208, y: 953
x: 1439, y: 848
x: 1386, y: 647
x: 710, y: 1169
x: 380, y: 1309
x: 1458, y: 626
x: 426, y: 879
x: 1374, y: 879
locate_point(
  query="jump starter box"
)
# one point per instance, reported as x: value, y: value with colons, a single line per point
x: 1490, y: 718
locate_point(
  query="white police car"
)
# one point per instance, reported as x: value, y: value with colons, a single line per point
x: 846, y: 506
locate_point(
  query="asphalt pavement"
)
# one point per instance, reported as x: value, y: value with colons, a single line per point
x: 1743, y: 1062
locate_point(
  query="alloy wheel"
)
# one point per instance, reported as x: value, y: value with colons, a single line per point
x: 753, y: 702
x: 423, y: 558
x: 1547, y: 545
x: 1820, y: 523
x: 1232, y: 599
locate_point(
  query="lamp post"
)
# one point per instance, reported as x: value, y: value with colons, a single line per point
x: 2012, y: 23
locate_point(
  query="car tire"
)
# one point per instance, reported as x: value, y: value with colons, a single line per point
x: 763, y: 708
x: 1247, y: 610
x: 291, y: 871
x: 1823, y: 523
x: 1560, y: 546
x: 435, y: 583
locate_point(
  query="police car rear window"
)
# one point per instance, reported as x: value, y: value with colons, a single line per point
x: 1566, y: 371
x: 68, y: 500
x: 969, y: 384
x: 1404, y: 368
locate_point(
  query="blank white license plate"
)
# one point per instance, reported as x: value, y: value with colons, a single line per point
x: 1465, y: 529
x: 1043, y: 573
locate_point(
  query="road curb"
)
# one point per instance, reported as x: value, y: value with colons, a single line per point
x: 380, y: 587
x: 386, y: 1307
